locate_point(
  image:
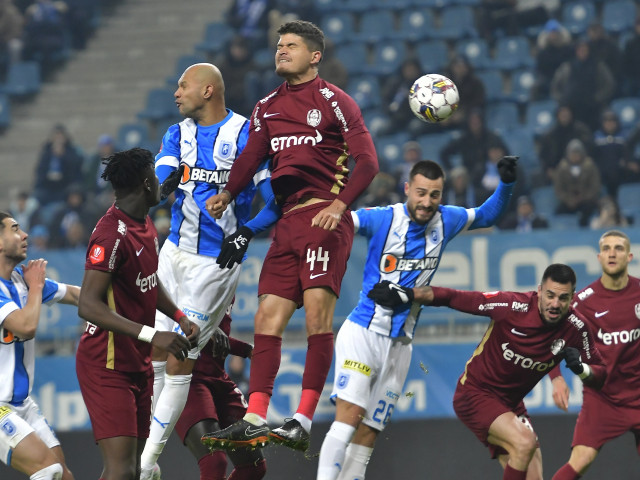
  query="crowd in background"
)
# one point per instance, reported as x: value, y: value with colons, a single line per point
x: 584, y: 155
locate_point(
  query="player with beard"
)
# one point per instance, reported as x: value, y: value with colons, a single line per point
x: 373, y: 347
x: 528, y: 335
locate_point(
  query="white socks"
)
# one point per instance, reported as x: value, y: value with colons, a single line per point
x: 355, y: 462
x: 304, y: 421
x: 52, y: 472
x: 159, y: 368
x: 169, y: 406
x: 255, y: 419
x: 333, y: 449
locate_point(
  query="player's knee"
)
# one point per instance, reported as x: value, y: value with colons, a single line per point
x: 525, y: 445
x: 52, y: 472
x: 582, y: 457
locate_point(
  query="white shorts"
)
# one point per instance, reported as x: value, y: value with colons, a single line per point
x: 199, y: 287
x: 370, y: 371
x: 16, y: 422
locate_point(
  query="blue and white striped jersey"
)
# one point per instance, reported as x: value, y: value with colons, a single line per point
x: 17, y: 360
x: 207, y: 153
x: 407, y: 253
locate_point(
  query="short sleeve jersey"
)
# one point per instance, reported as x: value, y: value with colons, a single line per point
x: 306, y: 129
x: 18, y: 358
x: 128, y: 250
x: 518, y: 348
x: 614, y: 317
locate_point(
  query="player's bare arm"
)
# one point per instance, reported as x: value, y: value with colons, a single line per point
x: 71, y: 296
x: 24, y: 322
x: 217, y: 204
x: 165, y: 305
x: 92, y: 308
x: 328, y: 218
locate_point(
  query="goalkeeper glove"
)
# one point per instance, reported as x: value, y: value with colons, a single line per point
x: 171, y: 182
x: 234, y: 247
x: 507, y: 168
x: 390, y: 294
x: 574, y: 362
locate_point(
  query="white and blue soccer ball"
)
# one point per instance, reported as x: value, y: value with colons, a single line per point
x: 433, y: 98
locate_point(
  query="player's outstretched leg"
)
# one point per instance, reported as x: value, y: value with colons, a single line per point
x: 291, y: 435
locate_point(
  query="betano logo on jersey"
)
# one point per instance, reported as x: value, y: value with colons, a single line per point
x: 390, y: 263
x: 197, y: 174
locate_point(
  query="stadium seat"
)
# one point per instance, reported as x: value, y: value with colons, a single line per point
x: 456, y: 22
x: 512, y: 53
x: 389, y: 149
x: 578, y: 15
x: 365, y: 90
x: 160, y: 105
x: 476, y: 51
x: 618, y: 15
x: 5, y: 111
x: 358, y: 6
x: 432, y: 143
x: 545, y: 200
x: 629, y: 199
x: 23, y: 79
x: 540, y: 115
x: 355, y: 56
x: 416, y: 24
x: 376, y: 120
x: 628, y: 110
x: 433, y: 55
x: 520, y: 142
x: 493, y: 84
x: 264, y: 58
x: 522, y: 82
x: 388, y: 57
x: 502, y: 116
x: 216, y: 36
x: 375, y: 25
x: 562, y: 221
x: 338, y: 26
x: 182, y: 63
x: 132, y: 135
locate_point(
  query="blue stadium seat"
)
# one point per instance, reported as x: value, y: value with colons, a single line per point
x: 355, y: 55
x: 429, y: 3
x: 376, y: 120
x: 512, y: 53
x: 629, y: 199
x: 493, y: 84
x: 540, y: 115
x: 562, y: 221
x: 264, y: 58
x: 397, y: 5
x: 375, y: 26
x: 160, y: 104
x: 389, y: 149
x: 365, y: 90
x: 216, y: 37
x: 578, y: 15
x: 545, y: 200
x: 522, y: 82
x: 23, y: 79
x: 388, y: 57
x: 5, y: 111
x: 338, y: 26
x: 476, y: 51
x: 132, y: 135
x: 182, y: 63
x: 628, y: 110
x: 358, y: 6
x: 520, y: 142
x: 432, y: 143
x: 456, y: 22
x: 502, y: 116
x: 618, y: 15
x: 433, y: 55
x: 416, y: 24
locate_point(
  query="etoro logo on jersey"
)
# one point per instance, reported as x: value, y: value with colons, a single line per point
x: 282, y: 143
x: 198, y: 174
x: 390, y: 263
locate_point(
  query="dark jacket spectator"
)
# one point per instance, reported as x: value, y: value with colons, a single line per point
x: 631, y: 62
x: 610, y: 152
x: 471, y: 89
x: 554, y: 48
x: 11, y: 25
x: 525, y: 218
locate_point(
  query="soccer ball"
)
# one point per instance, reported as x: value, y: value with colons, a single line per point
x: 433, y: 98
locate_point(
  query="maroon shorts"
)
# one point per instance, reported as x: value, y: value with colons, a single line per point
x: 600, y: 421
x: 478, y: 409
x: 302, y: 256
x: 211, y: 397
x: 119, y: 403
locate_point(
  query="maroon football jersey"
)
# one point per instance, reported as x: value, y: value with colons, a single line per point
x: 127, y: 249
x: 614, y: 317
x: 518, y: 348
x: 309, y: 130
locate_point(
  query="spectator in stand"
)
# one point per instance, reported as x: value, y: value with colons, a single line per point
x: 250, y: 19
x: 605, y: 49
x: 98, y: 190
x: 332, y: 68
x: 59, y: 166
x: 472, y: 145
x: 45, y: 31
x: 411, y: 154
x: 525, y: 218
x: 577, y: 183
x: 395, y: 101
x: 236, y: 62
x: 511, y: 17
x: 554, y: 48
x: 380, y: 193
x: 38, y: 239
x: 554, y: 142
x: 486, y: 177
x: 66, y: 224
x: 610, y: 152
x: 24, y: 208
x: 609, y: 215
x: 11, y: 25
x: 631, y: 62
x: 470, y: 87
x: 237, y: 371
x: 585, y: 83
x: 632, y: 156
x: 460, y: 190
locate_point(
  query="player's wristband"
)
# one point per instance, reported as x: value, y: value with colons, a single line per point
x: 586, y: 372
x: 178, y: 315
x: 146, y: 334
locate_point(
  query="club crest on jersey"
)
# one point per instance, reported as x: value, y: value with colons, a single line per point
x: 97, y: 254
x: 343, y: 379
x: 638, y: 310
x: 434, y: 235
x: 390, y: 263
x: 557, y: 346
x: 224, y: 150
x: 314, y: 117
x: 8, y: 427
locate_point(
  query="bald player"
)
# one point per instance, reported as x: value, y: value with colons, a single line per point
x: 199, y: 152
